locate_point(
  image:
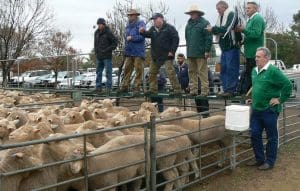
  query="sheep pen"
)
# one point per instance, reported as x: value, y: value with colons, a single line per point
x: 137, y: 143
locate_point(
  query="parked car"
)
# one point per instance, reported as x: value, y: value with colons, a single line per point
x: 37, y: 82
x: 62, y: 75
x: 89, y: 80
x: 29, y: 76
x: 70, y: 82
x: 296, y: 67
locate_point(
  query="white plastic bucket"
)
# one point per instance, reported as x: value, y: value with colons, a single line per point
x: 237, y: 117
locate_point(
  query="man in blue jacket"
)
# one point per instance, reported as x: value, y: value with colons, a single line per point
x: 134, y: 51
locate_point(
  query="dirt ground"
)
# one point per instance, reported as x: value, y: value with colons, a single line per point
x: 285, y: 176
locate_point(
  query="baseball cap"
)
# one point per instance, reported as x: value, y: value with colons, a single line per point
x: 101, y: 21
x: 156, y: 15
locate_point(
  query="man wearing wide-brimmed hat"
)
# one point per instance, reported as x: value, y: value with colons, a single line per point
x: 198, y: 41
x: 134, y: 51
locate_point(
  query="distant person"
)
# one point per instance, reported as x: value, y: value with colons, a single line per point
x: 134, y: 51
x: 164, y: 43
x: 230, y: 57
x: 182, y: 72
x: 199, y: 42
x: 254, y: 38
x: 161, y: 84
x: 183, y: 77
x: 271, y: 88
x: 104, y: 43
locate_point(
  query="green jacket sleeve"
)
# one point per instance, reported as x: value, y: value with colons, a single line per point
x: 285, y: 84
x: 208, y: 40
x: 255, y: 28
x: 223, y: 29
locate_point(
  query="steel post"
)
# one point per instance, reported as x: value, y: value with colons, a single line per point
x: 152, y: 153
x: 283, y: 124
x: 233, y: 153
x: 86, y: 186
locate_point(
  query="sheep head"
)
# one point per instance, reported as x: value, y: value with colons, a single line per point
x: 170, y: 112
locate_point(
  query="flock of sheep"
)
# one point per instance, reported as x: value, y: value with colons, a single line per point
x: 100, y: 116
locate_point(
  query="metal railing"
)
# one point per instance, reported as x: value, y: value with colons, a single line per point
x: 205, y: 156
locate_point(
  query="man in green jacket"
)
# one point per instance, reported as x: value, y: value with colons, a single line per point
x: 254, y: 38
x: 271, y: 88
x: 229, y: 44
x: 198, y: 41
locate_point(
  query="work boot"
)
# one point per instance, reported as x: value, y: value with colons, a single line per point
x: 175, y: 93
x: 253, y: 162
x: 136, y: 91
x: 98, y: 90
x: 265, y: 166
x: 123, y: 90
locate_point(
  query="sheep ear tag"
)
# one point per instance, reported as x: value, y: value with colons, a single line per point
x: 76, y: 167
x: 18, y: 155
x: 36, y: 130
x: 177, y: 110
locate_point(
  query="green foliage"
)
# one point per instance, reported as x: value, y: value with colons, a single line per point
x: 288, y: 43
x: 296, y: 25
x: 287, y: 47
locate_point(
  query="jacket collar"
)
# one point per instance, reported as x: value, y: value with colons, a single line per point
x: 194, y: 21
x: 256, y: 13
x: 162, y: 27
x: 264, y: 68
x: 133, y: 23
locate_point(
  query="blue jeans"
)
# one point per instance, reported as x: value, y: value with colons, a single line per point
x: 230, y: 68
x: 267, y: 120
x: 100, y: 65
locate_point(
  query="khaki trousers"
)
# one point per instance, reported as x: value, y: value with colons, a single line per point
x: 154, y: 70
x: 131, y: 63
x: 198, y: 68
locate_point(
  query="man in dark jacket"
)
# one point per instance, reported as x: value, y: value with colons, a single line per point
x: 134, y: 51
x: 164, y: 43
x: 199, y: 43
x: 104, y: 43
x: 182, y: 71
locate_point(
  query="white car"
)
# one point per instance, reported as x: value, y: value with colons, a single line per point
x: 62, y: 75
x: 89, y: 80
x: 68, y: 82
x: 29, y: 76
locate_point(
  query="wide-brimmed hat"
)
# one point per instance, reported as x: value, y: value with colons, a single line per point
x: 194, y: 9
x: 133, y: 12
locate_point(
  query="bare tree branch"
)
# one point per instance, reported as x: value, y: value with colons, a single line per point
x: 22, y: 21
